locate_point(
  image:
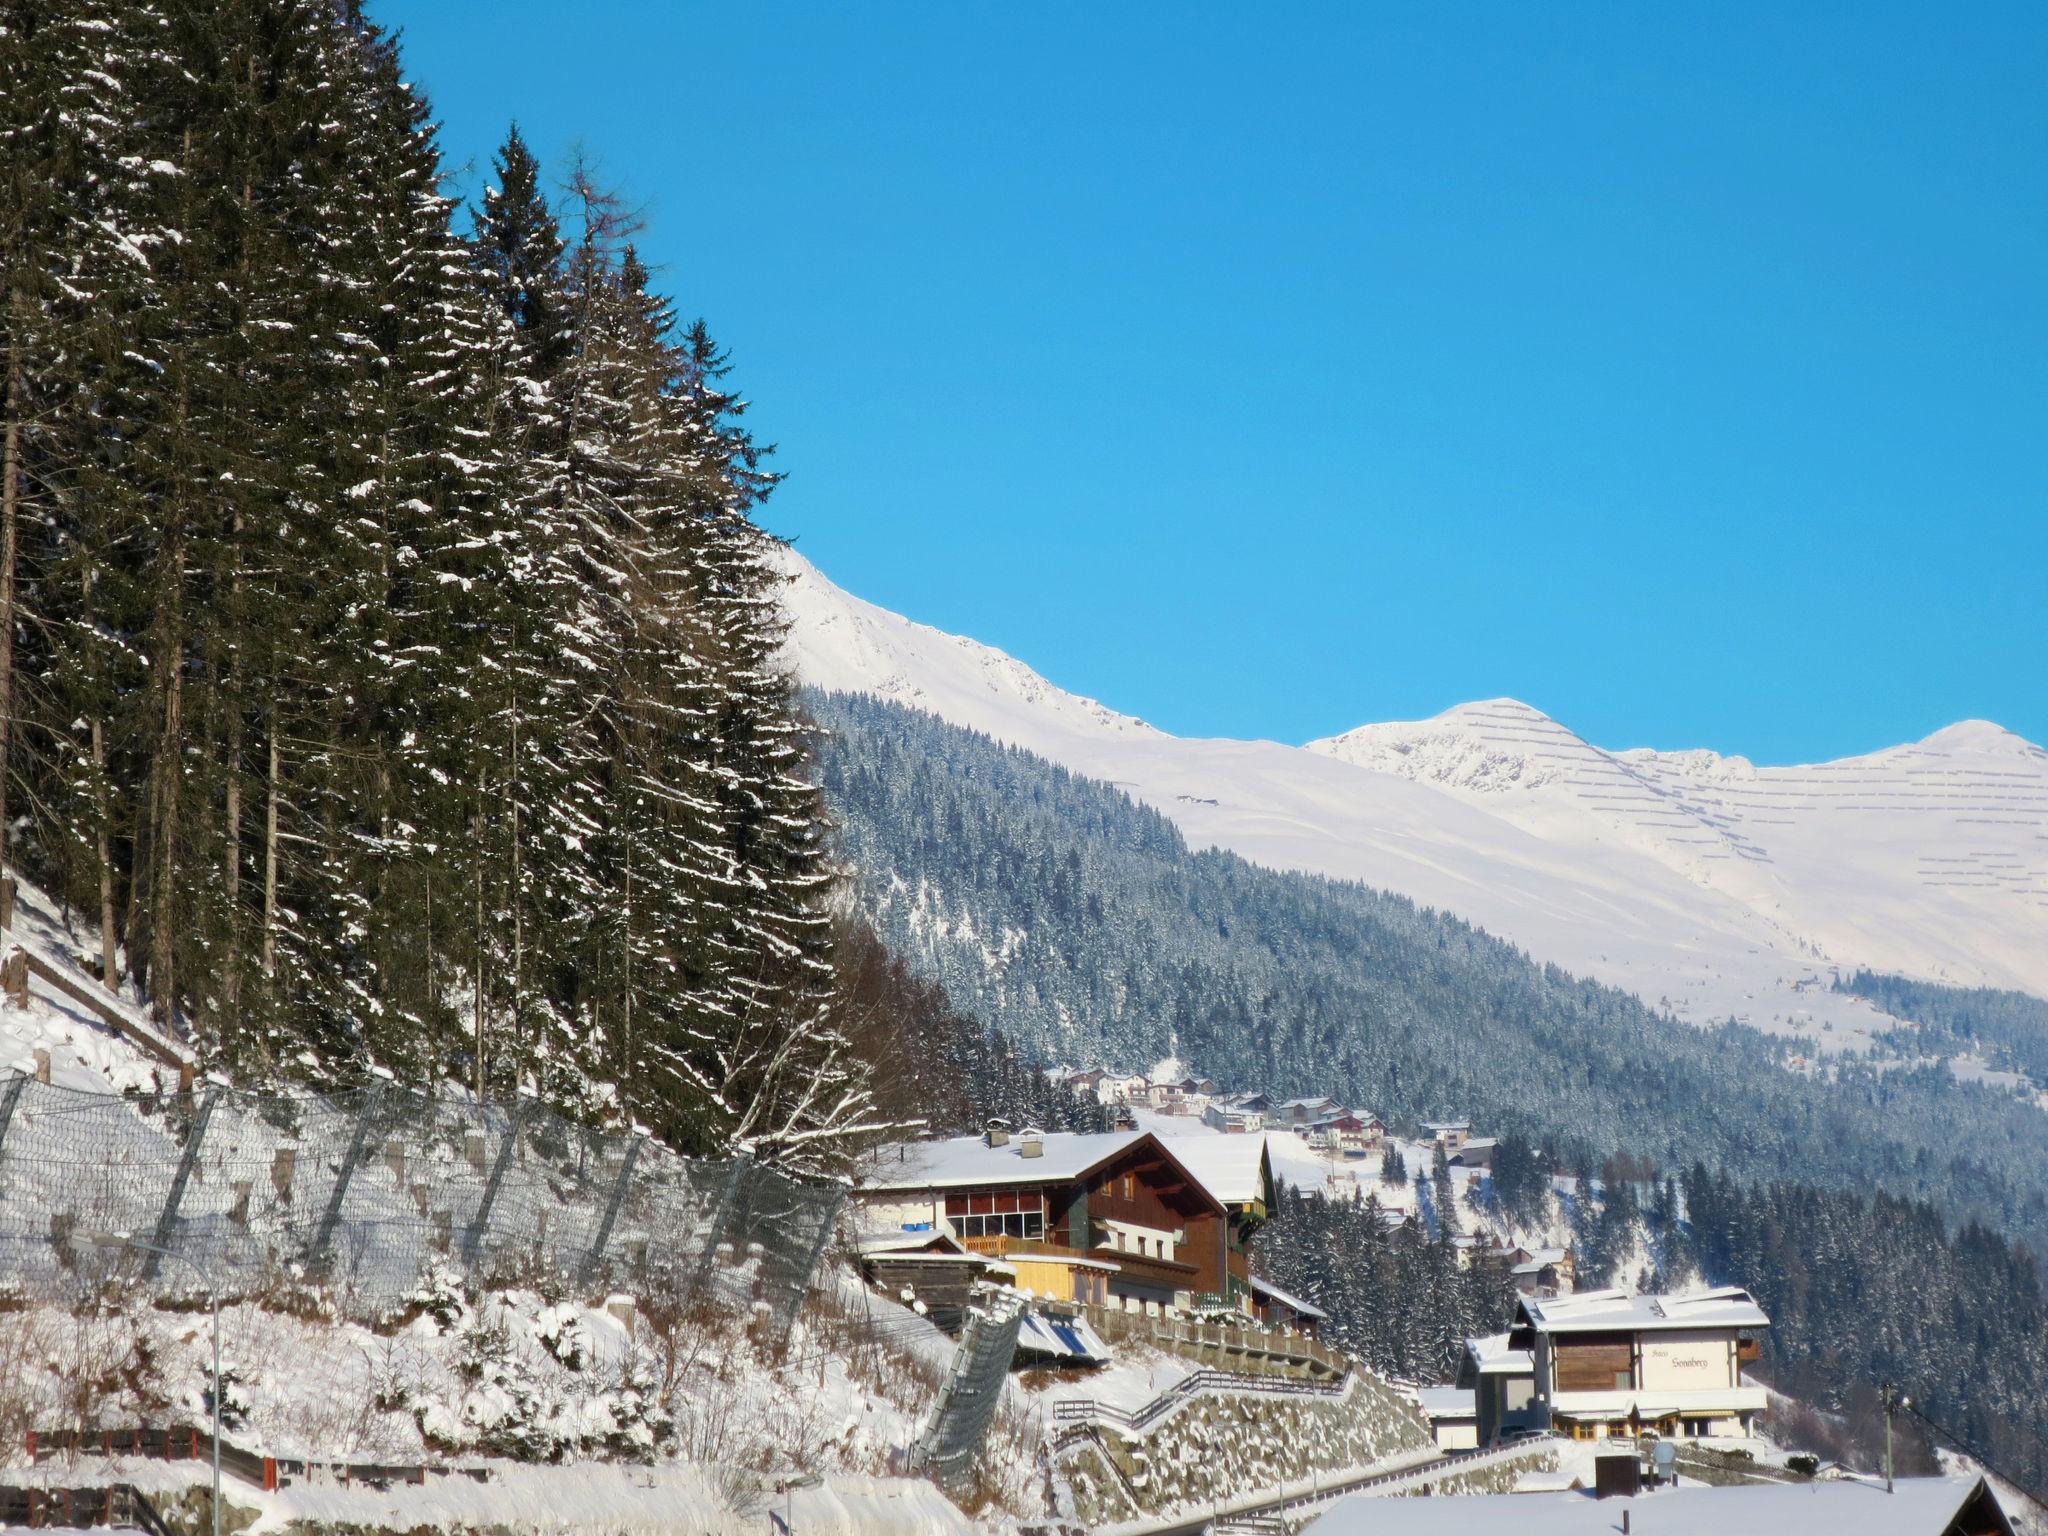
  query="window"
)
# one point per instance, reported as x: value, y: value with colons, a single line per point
x: 997, y: 1213
x: 1130, y: 1187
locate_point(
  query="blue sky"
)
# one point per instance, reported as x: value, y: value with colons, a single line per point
x: 1266, y: 370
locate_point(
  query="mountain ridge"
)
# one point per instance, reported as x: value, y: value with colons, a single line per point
x: 1702, y: 882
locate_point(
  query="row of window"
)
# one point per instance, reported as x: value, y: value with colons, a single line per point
x: 992, y: 1202
x: 1003, y: 1224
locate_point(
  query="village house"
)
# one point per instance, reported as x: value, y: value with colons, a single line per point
x: 929, y: 1269
x: 1543, y: 1271
x: 1164, y: 1097
x: 1088, y: 1083
x: 1344, y: 1132
x: 1609, y: 1363
x: 1453, y: 1416
x: 1228, y: 1117
x: 1477, y: 1152
x: 1114, y: 1220
x: 1302, y: 1112
x: 1502, y: 1377
x: 1277, y: 1309
x: 1451, y: 1135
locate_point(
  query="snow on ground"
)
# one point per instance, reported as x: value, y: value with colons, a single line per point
x: 1701, y: 883
x: 601, y: 1499
x: 627, y: 1403
x: 1823, y: 1507
x: 84, y: 1052
x: 1336, y: 1176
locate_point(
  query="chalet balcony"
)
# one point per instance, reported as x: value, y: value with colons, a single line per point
x: 1168, y: 1274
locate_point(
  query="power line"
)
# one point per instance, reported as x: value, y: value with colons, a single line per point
x: 1893, y: 1398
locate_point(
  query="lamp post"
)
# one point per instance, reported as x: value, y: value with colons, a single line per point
x: 116, y: 1240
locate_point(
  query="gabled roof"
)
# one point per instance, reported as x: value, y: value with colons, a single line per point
x: 969, y: 1162
x: 1293, y: 1303
x: 1448, y: 1402
x: 1234, y: 1169
x: 1728, y: 1306
x: 1494, y: 1357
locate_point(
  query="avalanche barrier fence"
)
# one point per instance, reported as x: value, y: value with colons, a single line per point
x: 363, y: 1193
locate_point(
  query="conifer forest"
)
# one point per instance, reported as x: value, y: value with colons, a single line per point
x: 385, y: 635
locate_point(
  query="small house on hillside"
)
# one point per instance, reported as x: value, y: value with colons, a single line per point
x: 1301, y: 1112
x: 1477, y: 1152
x: 1280, y: 1309
x: 1607, y: 1363
x: 1232, y: 1119
x: 929, y: 1269
x: 1453, y: 1416
x: 1114, y: 1219
x: 1344, y: 1132
x: 1451, y: 1135
x: 1543, y: 1271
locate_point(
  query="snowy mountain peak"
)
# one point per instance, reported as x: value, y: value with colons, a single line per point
x: 839, y: 643
x: 1985, y: 737
x: 1488, y: 747
x: 1703, y: 883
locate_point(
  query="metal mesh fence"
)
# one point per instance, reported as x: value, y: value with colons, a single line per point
x: 972, y: 1392
x: 364, y: 1193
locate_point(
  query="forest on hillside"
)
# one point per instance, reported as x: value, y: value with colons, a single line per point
x: 2009, y: 1030
x: 1083, y: 927
x: 386, y: 642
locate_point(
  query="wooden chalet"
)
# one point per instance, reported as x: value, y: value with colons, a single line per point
x: 1112, y: 1219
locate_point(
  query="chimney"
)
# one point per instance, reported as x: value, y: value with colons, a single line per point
x: 998, y: 1132
x: 1031, y: 1142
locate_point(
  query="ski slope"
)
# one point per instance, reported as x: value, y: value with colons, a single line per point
x: 1702, y: 883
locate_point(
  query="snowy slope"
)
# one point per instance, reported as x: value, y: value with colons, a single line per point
x: 1697, y: 881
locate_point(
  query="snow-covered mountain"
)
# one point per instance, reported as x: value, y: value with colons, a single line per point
x: 1697, y: 881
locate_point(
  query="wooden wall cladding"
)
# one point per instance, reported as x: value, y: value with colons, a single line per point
x: 1594, y: 1364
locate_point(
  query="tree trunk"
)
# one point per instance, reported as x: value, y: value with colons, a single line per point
x: 231, y: 966
x: 103, y: 839
x: 518, y: 899
x: 171, y: 764
x: 10, y: 537
x: 270, y: 855
x: 110, y: 973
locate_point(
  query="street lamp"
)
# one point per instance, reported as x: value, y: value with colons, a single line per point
x: 116, y: 1240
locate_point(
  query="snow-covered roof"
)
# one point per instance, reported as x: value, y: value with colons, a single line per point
x: 963, y: 1161
x: 1063, y: 1338
x: 1921, y: 1507
x: 1728, y: 1306
x: 1480, y: 1143
x: 1293, y: 1303
x: 1447, y: 1125
x: 1227, y: 1166
x: 1494, y: 1357
x: 905, y: 1240
x: 1448, y: 1402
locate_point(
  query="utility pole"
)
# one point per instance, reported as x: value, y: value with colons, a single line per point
x: 1889, y: 1393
